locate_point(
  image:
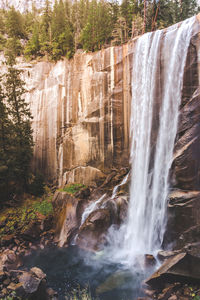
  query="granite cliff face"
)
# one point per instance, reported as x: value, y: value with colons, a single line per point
x: 81, y: 112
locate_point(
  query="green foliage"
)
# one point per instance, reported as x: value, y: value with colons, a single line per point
x: 17, y: 219
x: 19, y: 113
x: 2, y: 42
x: 5, y: 143
x: 15, y: 134
x: 91, y: 25
x: 14, y: 24
x: 45, y: 207
x: 13, y: 48
x: 73, y: 188
x: 32, y: 48
x: 98, y: 28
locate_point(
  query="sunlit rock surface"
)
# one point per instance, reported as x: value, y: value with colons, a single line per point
x: 81, y: 111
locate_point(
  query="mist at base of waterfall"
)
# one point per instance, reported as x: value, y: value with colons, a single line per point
x: 70, y: 269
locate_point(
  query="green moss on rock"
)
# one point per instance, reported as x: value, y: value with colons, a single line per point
x: 73, y: 188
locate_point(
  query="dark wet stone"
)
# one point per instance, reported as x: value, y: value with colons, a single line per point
x: 181, y: 268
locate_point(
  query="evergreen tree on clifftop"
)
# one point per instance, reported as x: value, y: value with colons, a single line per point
x: 15, y: 134
x: 86, y: 24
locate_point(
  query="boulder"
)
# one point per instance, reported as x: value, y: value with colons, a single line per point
x: 183, y: 218
x: 34, y: 284
x: 37, y: 272
x: 181, y: 268
x: 86, y: 175
x: 91, y: 234
x: 67, y: 216
x: 8, y: 260
x: 149, y: 260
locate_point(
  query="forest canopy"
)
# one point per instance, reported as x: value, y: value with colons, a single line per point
x: 82, y: 24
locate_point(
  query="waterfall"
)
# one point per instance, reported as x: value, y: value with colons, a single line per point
x: 154, y: 120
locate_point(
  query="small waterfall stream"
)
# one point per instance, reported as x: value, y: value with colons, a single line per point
x: 115, y: 190
x: 91, y: 207
x: 154, y: 120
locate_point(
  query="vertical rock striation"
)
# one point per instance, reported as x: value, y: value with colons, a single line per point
x: 81, y: 111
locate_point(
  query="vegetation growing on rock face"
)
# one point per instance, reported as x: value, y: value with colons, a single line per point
x: 83, y: 24
x: 16, y: 220
x: 73, y: 188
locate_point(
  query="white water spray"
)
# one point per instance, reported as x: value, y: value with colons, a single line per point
x: 154, y: 119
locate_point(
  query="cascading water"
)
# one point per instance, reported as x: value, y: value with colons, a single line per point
x: 114, y: 193
x: 154, y: 120
x: 92, y: 207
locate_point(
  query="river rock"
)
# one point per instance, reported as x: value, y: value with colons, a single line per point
x: 91, y: 234
x: 182, y: 267
x: 34, y: 284
x: 149, y: 260
x: 37, y: 272
x: 8, y: 260
x: 51, y: 293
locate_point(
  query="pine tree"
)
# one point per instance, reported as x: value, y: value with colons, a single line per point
x: 46, y: 33
x: 99, y: 26
x: 62, y: 37
x: 32, y: 48
x: 14, y: 24
x: 20, y: 115
x: 5, y: 147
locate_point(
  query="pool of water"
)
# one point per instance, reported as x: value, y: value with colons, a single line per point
x: 70, y: 268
